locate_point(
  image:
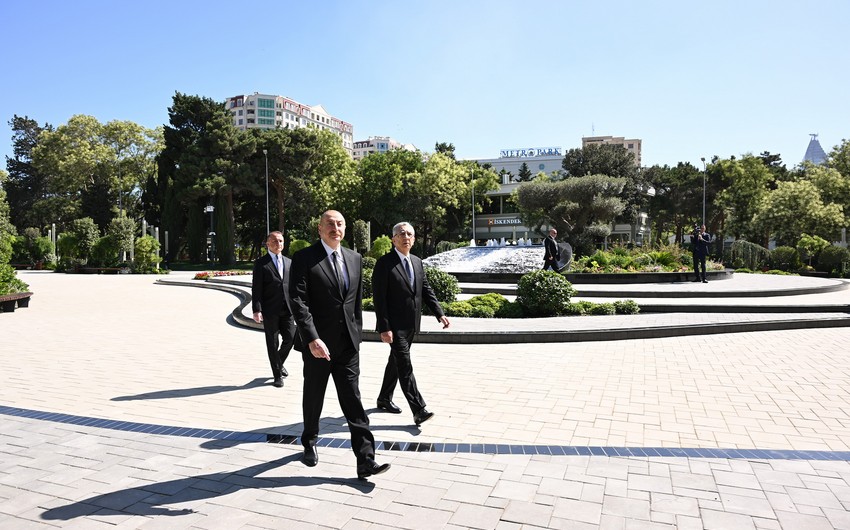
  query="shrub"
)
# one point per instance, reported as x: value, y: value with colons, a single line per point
x: 444, y: 284
x: 297, y: 244
x: 582, y: 307
x: 544, y: 293
x: 833, y: 259
x: 445, y: 246
x: 380, y: 246
x: 87, y: 234
x: 492, y: 300
x: 146, y: 257
x: 510, y: 310
x: 9, y: 282
x: 810, y: 246
x: 368, y: 304
x: 785, y: 259
x: 482, y: 311
x: 605, y: 308
x: 369, y: 262
x: 600, y: 257
x: 367, y: 282
x: 458, y: 309
x: 745, y: 254
x: 104, y: 253
x: 626, y: 307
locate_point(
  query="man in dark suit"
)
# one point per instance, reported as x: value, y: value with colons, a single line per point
x: 326, y: 291
x: 551, y: 254
x: 399, y: 287
x: 699, y: 242
x: 270, y: 304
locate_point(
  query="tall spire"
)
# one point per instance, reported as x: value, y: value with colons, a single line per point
x: 814, y: 153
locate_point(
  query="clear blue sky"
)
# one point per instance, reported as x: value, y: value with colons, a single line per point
x: 690, y: 79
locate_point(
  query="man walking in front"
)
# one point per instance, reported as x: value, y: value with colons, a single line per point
x: 326, y: 290
x: 399, y: 287
x: 551, y: 253
x: 699, y: 243
x: 270, y: 304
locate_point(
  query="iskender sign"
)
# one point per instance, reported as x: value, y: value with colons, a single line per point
x: 530, y: 152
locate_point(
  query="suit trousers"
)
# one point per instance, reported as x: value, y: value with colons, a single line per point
x: 400, y: 368
x: 282, y: 325
x: 699, y: 260
x: 344, y: 368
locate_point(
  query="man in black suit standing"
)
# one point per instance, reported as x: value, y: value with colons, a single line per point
x: 551, y: 254
x: 270, y: 304
x: 699, y: 243
x: 326, y: 291
x: 399, y: 287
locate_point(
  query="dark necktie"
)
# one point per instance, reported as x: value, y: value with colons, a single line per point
x: 408, y: 271
x: 338, y: 269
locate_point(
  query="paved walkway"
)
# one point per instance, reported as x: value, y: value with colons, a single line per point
x: 128, y: 404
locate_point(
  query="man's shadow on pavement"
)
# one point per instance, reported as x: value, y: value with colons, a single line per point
x: 149, y: 500
x: 198, y: 391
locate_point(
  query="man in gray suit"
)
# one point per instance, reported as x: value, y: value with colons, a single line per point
x: 326, y: 292
x: 270, y: 304
x: 400, y: 287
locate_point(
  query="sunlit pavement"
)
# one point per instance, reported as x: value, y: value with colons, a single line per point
x: 133, y: 405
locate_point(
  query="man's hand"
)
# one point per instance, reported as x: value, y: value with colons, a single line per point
x: 444, y: 321
x: 387, y: 336
x: 319, y: 350
x: 258, y: 317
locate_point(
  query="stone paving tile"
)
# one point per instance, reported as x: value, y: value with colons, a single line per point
x: 710, y: 391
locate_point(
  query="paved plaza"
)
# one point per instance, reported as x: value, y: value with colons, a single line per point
x: 126, y: 403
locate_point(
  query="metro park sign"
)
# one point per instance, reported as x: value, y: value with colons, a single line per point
x: 530, y: 152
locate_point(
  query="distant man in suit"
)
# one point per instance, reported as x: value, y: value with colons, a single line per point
x: 326, y: 291
x: 699, y: 242
x: 270, y: 304
x: 399, y: 288
x: 551, y: 254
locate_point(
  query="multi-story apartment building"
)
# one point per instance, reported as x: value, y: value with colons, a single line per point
x: 378, y: 144
x: 265, y: 111
x: 632, y: 145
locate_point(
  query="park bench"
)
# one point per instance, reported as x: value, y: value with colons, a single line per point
x: 8, y: 302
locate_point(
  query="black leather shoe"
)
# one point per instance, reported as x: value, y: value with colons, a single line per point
x: 283, y: 372
x: 705, y: 281
x: 422, y: 416
x: 311, y: 457
x: 369, y: 468
x: 388, y: 406
x: 278, y: 382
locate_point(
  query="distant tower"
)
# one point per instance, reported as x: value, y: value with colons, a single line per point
x: 814, y: 153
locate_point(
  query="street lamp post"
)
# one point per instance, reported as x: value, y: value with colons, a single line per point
x: 266, y: 155
x: 472, y: 174
x: 703, y: 189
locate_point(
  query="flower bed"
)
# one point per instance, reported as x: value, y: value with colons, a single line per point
x: 206, y: 275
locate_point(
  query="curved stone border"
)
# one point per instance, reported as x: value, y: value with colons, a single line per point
x: 532, y: 336
x: 429, y: 447
x: 597, y: 278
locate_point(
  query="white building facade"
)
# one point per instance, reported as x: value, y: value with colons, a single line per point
x: 377, y: 144
x: 265, y: 111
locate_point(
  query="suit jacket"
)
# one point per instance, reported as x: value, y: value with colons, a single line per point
x: 270, y: 292
x: 552, y: 250
x: 317, y: 304
x: 397, y: 304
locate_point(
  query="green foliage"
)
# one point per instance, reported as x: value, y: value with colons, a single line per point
x: 360, y: 231
x: 833, y: 259
x: 668, y: 258
x: 368, y: 304
x: 87, y: 233
x: 544, y: 293
x: 104, y: 252
x: 445, y: 285
x: 146, y: 257
x: 366, y: 275
x: 626, y: 307
x: 810, y: 246
x: 510, y: 310
x: 785, y: 259
x: 296, y: 245
x: 380, y: 246
x: 493, y: 301
x: 745, y: 254
x: 605, y: 308
x: 582, y: 307
x: 9, y: 282
x: 30, y: 247
x: 445, y: 246
x: 459, y: 308
x: 368, y: 262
